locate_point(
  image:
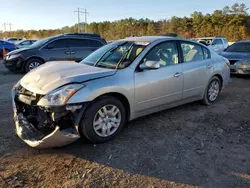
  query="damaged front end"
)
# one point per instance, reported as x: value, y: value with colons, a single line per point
x: 43, y: 127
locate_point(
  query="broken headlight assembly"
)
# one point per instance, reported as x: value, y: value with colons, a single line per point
x: 61, y: 95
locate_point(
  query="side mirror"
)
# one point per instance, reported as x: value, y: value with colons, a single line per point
x: 50, y: 46
x: 148, y: 65
x: 78, y: 60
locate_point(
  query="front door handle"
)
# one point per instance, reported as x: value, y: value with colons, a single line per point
x: 209, y: 66
x: 67, y: 53
x: 178, y: 74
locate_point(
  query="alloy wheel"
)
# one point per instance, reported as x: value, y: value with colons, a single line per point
x: 214, y: 90
x: 33, y: 65
x: 107, y: 120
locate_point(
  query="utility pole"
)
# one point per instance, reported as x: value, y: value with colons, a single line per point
x: 78, y: 19
x: 10, y: 28
x: 4, y: 26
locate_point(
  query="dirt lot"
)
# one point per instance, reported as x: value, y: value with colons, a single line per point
x: 188, y: 146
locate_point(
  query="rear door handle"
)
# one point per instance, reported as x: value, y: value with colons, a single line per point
x: 178, y: 74
x: 209, y: 66
x: 73, y: 52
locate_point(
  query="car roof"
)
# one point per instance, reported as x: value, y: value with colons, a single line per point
x: 210, y: 38
x: 149, y: 39
x: 243, y: 41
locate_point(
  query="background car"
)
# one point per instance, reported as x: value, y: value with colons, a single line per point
x: 218, y: 44
x: 13, y: 40
x: 64, y: 47
x: 238, y: 55
x: 24, y: 43
x: 7, y: 45
x: 119, y: 82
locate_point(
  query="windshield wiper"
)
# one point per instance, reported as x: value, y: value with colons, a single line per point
x: 109, y: 51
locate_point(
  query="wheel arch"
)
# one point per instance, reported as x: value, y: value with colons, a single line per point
x: 220, y: 77
x: 32, y: 57
x: 121, y: 98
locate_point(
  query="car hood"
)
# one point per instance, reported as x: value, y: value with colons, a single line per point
x: 235, y: 55
x: 17, y: 51
x: 55, y: 74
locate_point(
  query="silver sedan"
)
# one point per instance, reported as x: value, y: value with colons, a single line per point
x: 59, y: 102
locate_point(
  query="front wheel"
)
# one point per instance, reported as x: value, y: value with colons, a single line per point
x: 32, y: 63
x: 103, y: 120
x: 212, y: 92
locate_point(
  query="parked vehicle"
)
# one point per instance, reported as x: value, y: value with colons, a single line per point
x: 7, y: 46
x: 24, y: 43
x: 218, y: 44
x: 239, y: 56
x: 65, y: 47
x: 57, y: 102
x: 13, y: 40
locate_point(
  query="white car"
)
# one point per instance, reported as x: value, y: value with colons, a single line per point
x: 24, y: 43
x: 13, y: 40
x: 218, y: 44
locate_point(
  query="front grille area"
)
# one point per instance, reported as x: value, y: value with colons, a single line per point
x: 32, y: 97
x: 232, y: 62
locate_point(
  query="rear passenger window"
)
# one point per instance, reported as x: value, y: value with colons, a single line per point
x: 85, y: 43
x: 206, y: 53
x: 95, y: 43
x: 78, y: 43
x: 191, y: 52
x: 60, y: 43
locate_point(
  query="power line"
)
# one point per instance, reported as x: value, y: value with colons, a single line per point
x: 78, y: 18
x: 7, y: 28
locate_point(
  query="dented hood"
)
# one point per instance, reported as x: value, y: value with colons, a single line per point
x: 55, y: 74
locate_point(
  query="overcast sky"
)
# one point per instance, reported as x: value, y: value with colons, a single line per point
x: 52, y: 14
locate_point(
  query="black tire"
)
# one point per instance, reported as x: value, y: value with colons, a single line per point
x: 32, y: 61
x: 206, y: 100
x: 86, y: 124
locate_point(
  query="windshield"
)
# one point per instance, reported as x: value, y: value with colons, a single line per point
x: 239, y: 47
x: 115, y: 55
x: 40, y: 42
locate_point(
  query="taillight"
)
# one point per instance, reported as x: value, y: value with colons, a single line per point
x: 227, y: 62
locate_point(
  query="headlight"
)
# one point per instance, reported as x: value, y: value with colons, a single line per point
x: 61, y: 95
x: 243, y: 62
x: 12, y: 56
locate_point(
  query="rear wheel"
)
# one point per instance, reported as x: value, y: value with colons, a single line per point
x: 212, y: 91
x: 103, y: 120
x: 32, y: 63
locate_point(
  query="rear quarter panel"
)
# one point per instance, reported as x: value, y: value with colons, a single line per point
x: 221, y: 68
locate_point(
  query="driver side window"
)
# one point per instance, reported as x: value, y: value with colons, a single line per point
x: 166, y: 53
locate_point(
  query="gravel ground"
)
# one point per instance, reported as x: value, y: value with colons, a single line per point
x: 188, y: 146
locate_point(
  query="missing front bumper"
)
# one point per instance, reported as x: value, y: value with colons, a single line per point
x: 57, y: 138
x: 37, y: 139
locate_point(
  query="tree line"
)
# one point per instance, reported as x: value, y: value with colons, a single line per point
x: 231, y: 22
